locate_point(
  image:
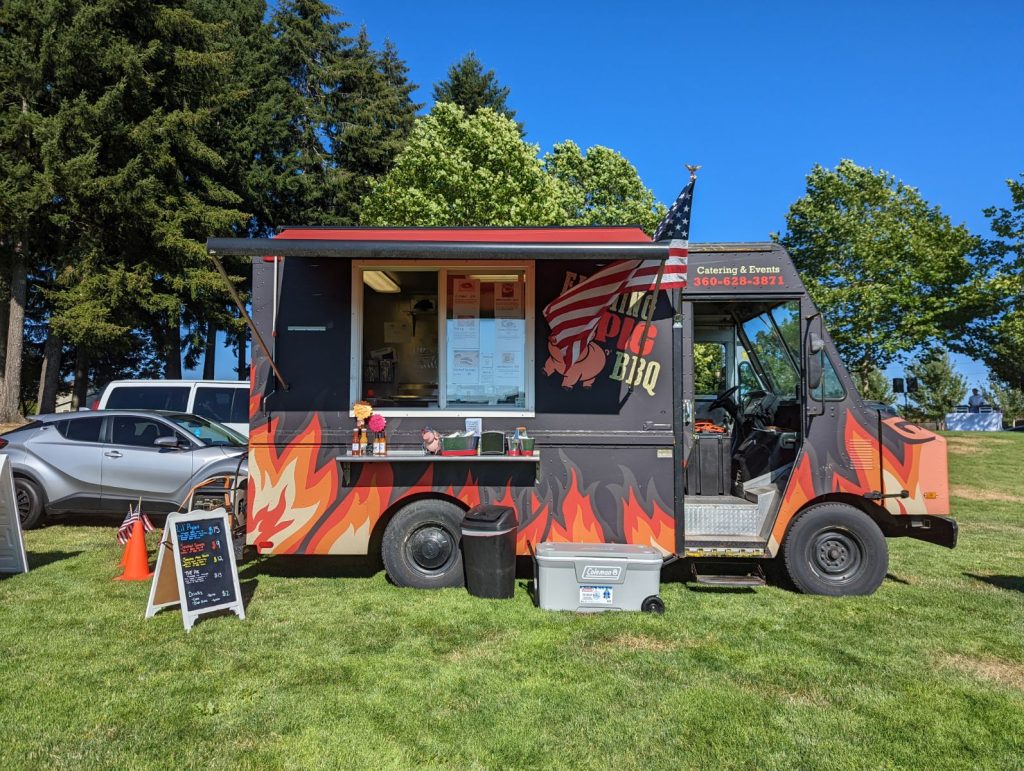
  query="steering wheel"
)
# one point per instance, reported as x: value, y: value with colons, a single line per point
x: 725, y: 401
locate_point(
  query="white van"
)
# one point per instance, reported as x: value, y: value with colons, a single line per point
x: 226, y: 401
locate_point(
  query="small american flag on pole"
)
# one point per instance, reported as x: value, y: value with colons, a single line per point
x: 573, y: 317
x: 134, y: 513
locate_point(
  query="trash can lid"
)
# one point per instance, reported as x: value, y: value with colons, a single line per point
x: 489, y: 516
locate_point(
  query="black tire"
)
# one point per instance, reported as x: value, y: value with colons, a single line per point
x: 836, y: 550
x: 653, y: 604
x: 238, y: 528
x: 421, y: 545
x: 31, y: 505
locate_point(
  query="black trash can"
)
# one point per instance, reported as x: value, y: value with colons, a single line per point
x: 489, y: 551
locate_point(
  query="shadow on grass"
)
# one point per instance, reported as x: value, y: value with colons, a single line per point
x: 896, y: 579
x: 248, y: 589
x: 84, y: 520
x: 39, y: 559
x: 1010, y: 583
x: 311, y: 566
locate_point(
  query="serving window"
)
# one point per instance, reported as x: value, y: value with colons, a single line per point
x: 455, y: 337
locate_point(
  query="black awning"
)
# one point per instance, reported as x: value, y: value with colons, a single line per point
x: 433, y: 250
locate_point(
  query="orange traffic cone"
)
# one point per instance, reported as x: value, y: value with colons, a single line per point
x: 136, y: 556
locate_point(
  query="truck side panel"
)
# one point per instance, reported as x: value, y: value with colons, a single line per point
x: 605, y: 470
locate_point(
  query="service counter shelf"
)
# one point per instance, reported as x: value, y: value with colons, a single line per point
x: 418, y: 456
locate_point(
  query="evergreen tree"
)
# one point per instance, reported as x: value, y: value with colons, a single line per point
x: 240, y: 131
x: 29, y: 237
x: 939, y: 387
x: 376, y: 116
x: 342, y: 112
x: 471, y: 88
x: 135, y: 165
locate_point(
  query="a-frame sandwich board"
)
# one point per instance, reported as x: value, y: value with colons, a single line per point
x: 195, y: 567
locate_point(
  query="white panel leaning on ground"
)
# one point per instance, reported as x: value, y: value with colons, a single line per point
x: 12, y: 544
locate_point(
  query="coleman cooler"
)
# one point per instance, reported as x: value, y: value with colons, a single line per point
x: 591, y: 577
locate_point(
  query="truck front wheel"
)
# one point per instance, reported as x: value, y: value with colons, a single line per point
x: 421, y: 545
x: 835, y: 549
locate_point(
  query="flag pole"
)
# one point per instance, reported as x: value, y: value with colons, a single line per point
x: 657, y: 288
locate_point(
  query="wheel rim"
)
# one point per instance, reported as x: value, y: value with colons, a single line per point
x: 431, y: 549
x: 836, y: 555
x: 24, y: 504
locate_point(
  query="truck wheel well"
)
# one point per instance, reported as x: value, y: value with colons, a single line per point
x: 377, y: 534
x: 878, y: 515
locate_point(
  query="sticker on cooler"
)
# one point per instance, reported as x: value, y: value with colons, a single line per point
x: 595, y: 595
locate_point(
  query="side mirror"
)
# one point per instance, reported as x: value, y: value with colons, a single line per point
x: 815, y: 366
x: 170, y: 442
x: 815, y: 371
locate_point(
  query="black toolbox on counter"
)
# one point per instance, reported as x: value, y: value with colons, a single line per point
x: 709, y: 471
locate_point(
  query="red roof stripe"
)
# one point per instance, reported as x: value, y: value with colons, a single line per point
x: 594, y: 235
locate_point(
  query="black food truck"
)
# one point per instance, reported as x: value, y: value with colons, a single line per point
x: 713, y: 421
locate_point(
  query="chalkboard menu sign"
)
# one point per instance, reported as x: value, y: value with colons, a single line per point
x: 199, y: 572
x: 202, y: 546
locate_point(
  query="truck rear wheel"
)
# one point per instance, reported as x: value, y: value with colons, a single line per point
x: 837, y: 550
x: 421, y: 545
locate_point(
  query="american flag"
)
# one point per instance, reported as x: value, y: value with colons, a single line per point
x: 573, y: 316
x: 134, y: 513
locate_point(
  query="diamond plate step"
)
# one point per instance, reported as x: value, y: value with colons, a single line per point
x: 722, y: 515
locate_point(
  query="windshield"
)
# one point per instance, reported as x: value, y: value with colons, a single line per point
x: 771, y: 352
x: 208, y: 432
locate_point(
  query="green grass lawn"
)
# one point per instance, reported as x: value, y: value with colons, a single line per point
x: 352, y: 672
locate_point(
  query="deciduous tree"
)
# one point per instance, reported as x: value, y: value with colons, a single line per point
x: 601, y: 188
x: 1008, y: 399
x: 997, y: 336
x: 460, y: 169
x: 875, y: 386
x: 889, y: 270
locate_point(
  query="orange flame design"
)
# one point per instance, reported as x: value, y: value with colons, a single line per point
x: 922, y: 472
x: 580, y: 522
x: 656, y: 529
x: 799, y: 492
x: 863, y: 444
x: 290, y: 490
x: 531, y: 529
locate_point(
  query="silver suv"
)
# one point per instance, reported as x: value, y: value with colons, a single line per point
x: 86, y: 462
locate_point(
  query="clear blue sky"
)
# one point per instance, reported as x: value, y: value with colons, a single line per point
x: 757, y: 93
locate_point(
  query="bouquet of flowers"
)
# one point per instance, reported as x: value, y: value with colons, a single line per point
x: 362, y: 411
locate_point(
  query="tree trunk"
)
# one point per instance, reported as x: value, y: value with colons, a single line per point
x: 10, y: 405
x: 49, y: 377
x: 4, y: 313
x: 210, y: 357
x: 243, y: 366
x: 172, y: 348
x: 80, y: 391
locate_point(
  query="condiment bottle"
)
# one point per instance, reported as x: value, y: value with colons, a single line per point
x: 362, y: 442
x: 355, y: 441
x: 383, y: 444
